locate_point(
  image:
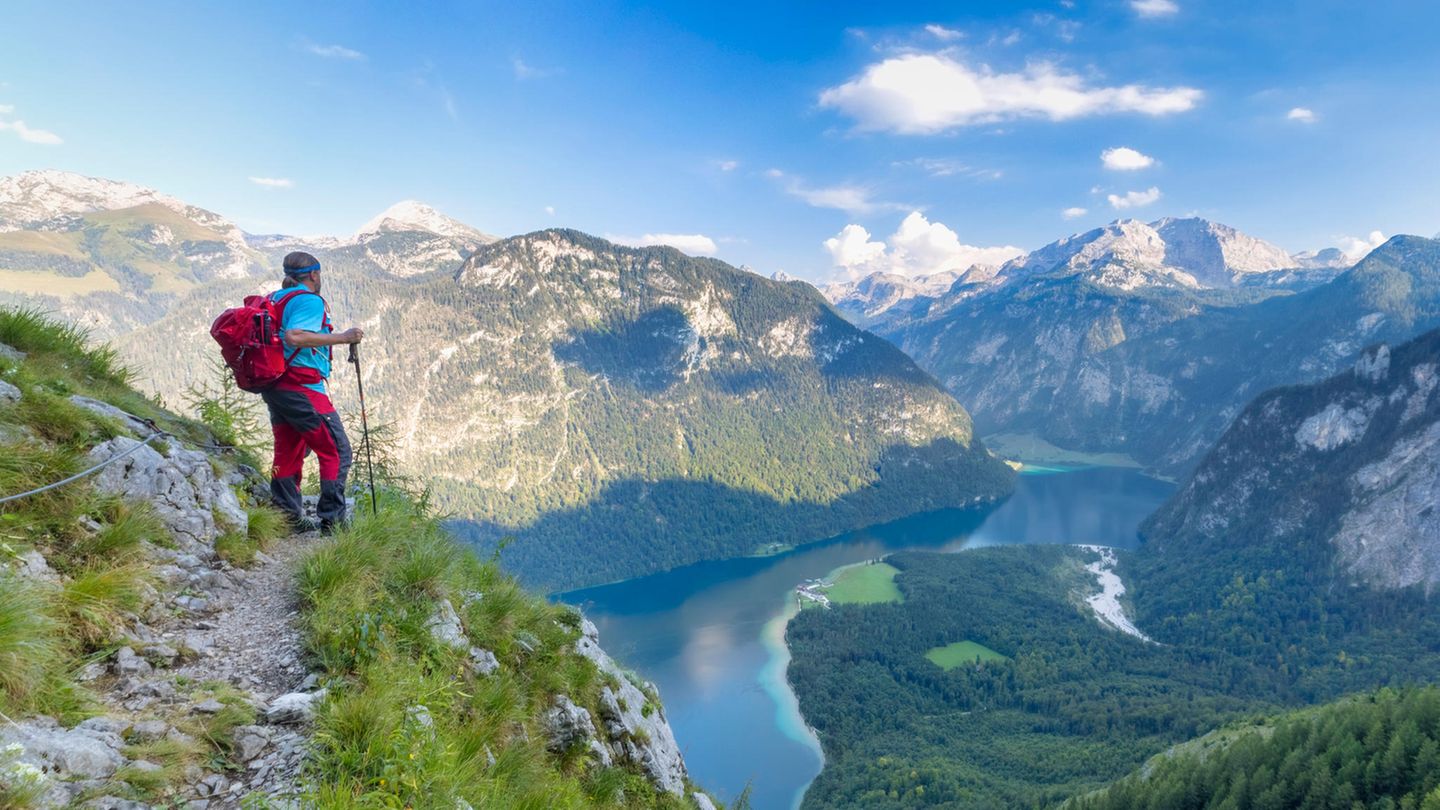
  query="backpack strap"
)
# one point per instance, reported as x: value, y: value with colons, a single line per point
x: 280, y: 314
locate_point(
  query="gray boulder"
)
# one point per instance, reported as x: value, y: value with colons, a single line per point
x: 180, y: 486
x: 296, y: 707
x: 568, y: 725
x: 445, y: 627
x: 14, y: 355
x: 9, y: 394
x: 82, y: 752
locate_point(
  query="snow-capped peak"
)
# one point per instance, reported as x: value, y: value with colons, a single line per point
x: 412, y: 215
x: 1127, y: 253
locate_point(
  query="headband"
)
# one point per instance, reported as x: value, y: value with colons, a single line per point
x: 300, y: 271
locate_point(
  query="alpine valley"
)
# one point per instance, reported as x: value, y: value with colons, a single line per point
x: 587, y: 412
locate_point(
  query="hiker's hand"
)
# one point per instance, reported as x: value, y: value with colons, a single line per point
x: 352, y: 335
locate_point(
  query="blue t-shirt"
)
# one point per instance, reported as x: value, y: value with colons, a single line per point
x: 306, y: 312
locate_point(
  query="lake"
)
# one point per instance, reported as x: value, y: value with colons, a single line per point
x: 710, y: 635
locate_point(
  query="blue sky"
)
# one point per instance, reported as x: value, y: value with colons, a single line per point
x: 814, y: 138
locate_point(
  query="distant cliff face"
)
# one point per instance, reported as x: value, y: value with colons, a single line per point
x: 1352, y: 462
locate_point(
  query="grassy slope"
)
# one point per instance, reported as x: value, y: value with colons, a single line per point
x: 366, y: 596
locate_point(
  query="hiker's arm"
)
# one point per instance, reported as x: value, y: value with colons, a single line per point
x: 303, y: 339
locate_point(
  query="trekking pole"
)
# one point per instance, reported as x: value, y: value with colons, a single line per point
x: 364, y: 426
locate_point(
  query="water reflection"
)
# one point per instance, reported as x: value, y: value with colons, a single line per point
x: 700, y: 632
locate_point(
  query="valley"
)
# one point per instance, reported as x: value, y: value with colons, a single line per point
x: 705, y: 440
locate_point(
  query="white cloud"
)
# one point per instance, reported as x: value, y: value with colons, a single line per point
x: 944, y: 34
x: 26, y: 133
x: 852, y: 247
x: 6, y: 109
x: 947, y: 167
x: 1304, y: 115
x: 917, y: 94
x: 1074, y: 212
x: 1125, y: 159
x: 273, y: 182
x: 697, y: 244
x: 1355, y: 247
x: 1155, y: 8
x: 336, y: 52
x: 851, y: 199
x: 525, y: 71
x: 918, y: 247
x: 1134, y: 199
x: 727, y: 165
x: 550, y: 209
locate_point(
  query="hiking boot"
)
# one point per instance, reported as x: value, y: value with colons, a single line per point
x: 329, y: 527
x: 304, y: 525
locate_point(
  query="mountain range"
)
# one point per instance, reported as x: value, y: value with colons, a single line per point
x: 1148, y: 339
x: 591, y: 401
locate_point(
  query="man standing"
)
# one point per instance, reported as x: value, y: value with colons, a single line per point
x: 301, y: 414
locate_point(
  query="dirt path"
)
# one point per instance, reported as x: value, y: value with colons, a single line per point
x: 235, y: 626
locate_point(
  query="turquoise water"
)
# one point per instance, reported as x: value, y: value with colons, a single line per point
x: 711, y: 635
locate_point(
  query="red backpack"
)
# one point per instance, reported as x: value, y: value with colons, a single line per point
x: 249, y: 338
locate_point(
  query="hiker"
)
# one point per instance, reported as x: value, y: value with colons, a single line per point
x: 301, y: 414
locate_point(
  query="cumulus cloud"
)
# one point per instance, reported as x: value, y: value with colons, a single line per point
x: 1074, y: 212
x: 1355, y: 247
x: 336, y: 52
x: 1155, y: 8
x: 697, y: 244
x: 550, y: 209
x: 273, y: 182
x: 1304, y: 115
x: 1133, y: 199
x: 727, y: 165
x: 1125, y: 159
x: 942, y: 33
x: 918, y: 247
x: 919, y: 94
x: 851, y: 199
x: 30, y: 134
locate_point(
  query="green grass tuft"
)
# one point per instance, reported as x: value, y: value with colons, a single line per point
x: 30, y: 648
x: 95, y: 601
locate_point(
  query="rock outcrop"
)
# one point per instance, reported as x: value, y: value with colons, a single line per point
x: 1350, y: 465
x: 633, y: 719
x: 181, y: 486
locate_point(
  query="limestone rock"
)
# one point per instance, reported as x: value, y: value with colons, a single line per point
x: 636, y: 730
x: 80, y: 752
x: 702, y: 801
x: 568, y: 725
x: 129, y: 420
x: 444, y: 626
x: 128, y: 663
x: 296, y: 707
x: 9, y: 394
x: 14, y: 355
x: 250, y: 742
x: 181, y: 487
x: 30, y: 564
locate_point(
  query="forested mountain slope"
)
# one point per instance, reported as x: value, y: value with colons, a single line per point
x: 596, y: 402
x: 1375, y: 751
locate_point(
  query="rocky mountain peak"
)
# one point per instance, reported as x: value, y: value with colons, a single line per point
x: 1128, y: 254
x: 412, y: 215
